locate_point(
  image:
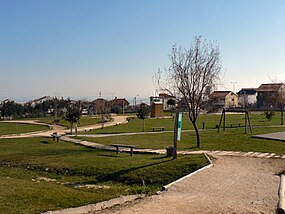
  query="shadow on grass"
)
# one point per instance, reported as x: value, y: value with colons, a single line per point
x: 112, y: 156
x: 193, y: 147
x: 159, y: 158
x: 44, y: 142
x: 119, y: 175
x: 115, y: 132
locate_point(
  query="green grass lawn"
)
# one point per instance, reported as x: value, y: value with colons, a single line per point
x: 211, y: 121
x: 84, y: 121
x: 232, y: 139
x: 18, y: 128
x: 23, y: 162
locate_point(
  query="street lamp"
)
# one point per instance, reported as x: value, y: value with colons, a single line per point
x: 234, y: 86
x: 135, y: 102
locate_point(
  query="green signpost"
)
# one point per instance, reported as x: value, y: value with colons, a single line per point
x: 177, y: 131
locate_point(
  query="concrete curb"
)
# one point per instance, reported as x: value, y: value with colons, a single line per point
x: 193, y: 173
x: 281, y: 193
x: 92, y: 208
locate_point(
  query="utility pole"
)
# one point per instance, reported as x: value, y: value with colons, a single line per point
x: 135, y: 102
x: 234, y: 86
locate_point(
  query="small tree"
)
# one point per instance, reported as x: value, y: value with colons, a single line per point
x: 72, y: 116
x: 269, y: 114
x: 142, y: 114
x: 191, y: 73
x: 171, y: 102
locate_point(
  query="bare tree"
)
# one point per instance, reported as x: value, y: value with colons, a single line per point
x: 191, y: 73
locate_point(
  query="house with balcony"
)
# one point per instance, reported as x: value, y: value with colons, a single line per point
x: 223, y: 99
x: 271, y: 95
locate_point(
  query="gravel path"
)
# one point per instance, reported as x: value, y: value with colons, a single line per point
x: 232, y: 185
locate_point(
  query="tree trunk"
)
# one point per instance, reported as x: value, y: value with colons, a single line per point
x: 197, y: 134
x: 143, y: 125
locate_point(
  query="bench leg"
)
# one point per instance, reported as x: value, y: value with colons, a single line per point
x: 117, y: 150
x: 53, y: 138
x: 131, y: 151
x: 57, y: 139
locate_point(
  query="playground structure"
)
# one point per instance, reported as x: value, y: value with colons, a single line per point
x: 247, y: 123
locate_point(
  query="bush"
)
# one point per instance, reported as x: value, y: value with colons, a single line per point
x: 269, y: 114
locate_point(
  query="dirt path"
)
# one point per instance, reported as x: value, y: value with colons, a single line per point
x: 232, y: 185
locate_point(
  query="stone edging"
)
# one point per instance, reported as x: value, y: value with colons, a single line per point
x: 92, y: 208
x: 189, y: 175
x: 281, y: 193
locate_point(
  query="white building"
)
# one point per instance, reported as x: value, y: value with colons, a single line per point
x: 247, y: 96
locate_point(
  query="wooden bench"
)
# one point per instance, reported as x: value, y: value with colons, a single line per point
x: 124, y: 146
x: 55, y: 136
x: 158, y: 129
x: 233, y: 125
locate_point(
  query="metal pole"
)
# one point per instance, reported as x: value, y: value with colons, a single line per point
x: 234, y: 86
x: 175, y: 135
x: 282, y: 115
x: 245, y: 122
x: 224, y: 112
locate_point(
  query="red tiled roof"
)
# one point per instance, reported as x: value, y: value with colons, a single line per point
x: 272, y: 87
x: 217, y: 94
x: 164, y: 95
x: 120, y: 101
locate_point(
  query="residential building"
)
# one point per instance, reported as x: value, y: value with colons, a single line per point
x: 271, y: 95
x: 118, y: 105
x: 101, y: 106
x: 223, y: 99
x: 247, y: 97
x: 165, y: 98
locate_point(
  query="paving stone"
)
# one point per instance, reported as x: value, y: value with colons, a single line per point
x: 230, y: 153
x: 223, y: 153
x: 261, y: 155
x: 246, y: 154
x: 270, y: 155
x: 255, y: 154
x: 214, y: 152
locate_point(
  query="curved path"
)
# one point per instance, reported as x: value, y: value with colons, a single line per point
x: 237, y: 183
x: 60, y: 129
x: 232, y: 185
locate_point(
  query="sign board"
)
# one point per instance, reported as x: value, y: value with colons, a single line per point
x: 179, y: 126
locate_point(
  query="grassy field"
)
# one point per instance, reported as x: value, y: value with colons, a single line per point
x: 232, y: 139
x: 84, y: 121
x: 18, y: 128
x: 210, y: 120
x: 26, y: 165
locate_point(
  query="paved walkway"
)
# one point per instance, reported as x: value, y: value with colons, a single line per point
x: 232, y: 185
x: 163, y: 151
x: 272, y: 136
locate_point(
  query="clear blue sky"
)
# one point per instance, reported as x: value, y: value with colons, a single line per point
x: 78, y: 48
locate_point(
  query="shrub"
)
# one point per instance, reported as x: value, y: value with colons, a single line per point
x: 269, y: 114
